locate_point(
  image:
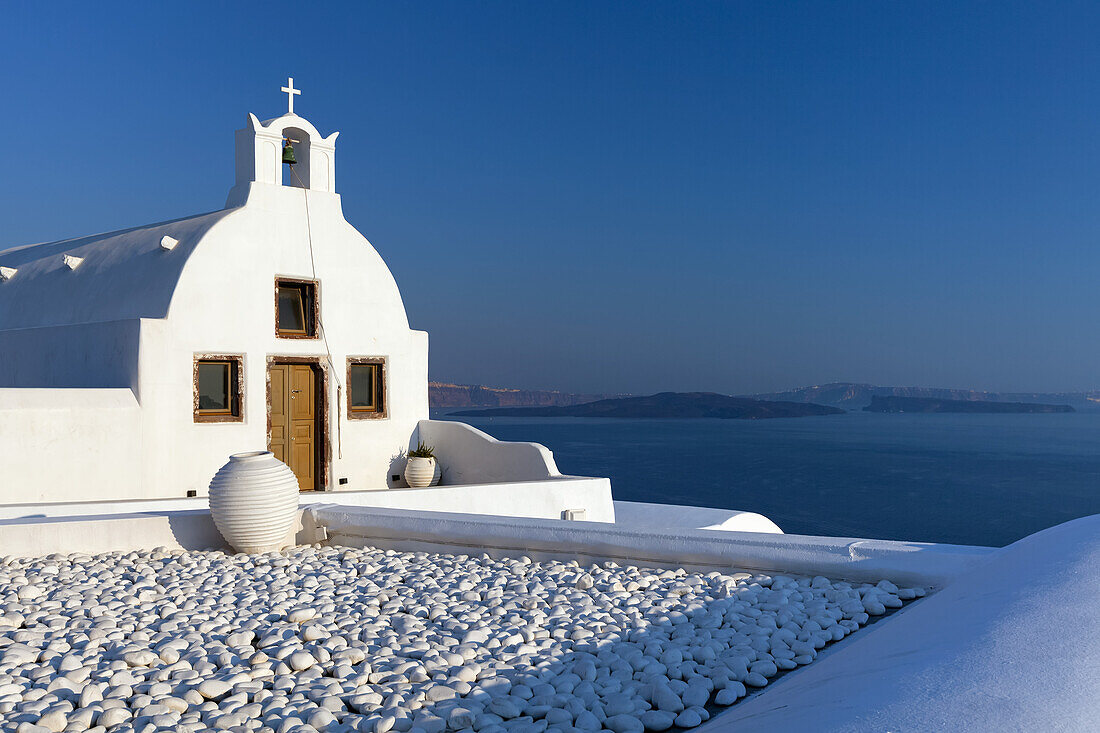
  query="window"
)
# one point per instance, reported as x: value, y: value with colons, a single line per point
x: 218, y: 389
x: 295, y: 309
x: 366, y: 388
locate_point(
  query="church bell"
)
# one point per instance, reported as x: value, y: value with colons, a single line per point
x: 288, y: 153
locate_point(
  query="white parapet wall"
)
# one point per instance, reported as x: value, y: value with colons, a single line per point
x: 469, y: 456
x: 184, y: 523
x: 546, y: 499
x: 536, y: 499
x: 38, y: 536
x: 908, y: 563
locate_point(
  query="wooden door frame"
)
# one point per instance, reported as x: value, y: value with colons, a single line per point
x: 323, y: 446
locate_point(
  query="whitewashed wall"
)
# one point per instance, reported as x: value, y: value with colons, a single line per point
x: 134, y: 314
x: 83, y: 355
x: 224, y: 304
x: 69, y: 444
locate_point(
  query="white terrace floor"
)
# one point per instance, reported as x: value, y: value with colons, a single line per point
x: 342, y: 639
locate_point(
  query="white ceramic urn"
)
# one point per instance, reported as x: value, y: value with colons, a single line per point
x: 420, y: 472
x: 254, y: 501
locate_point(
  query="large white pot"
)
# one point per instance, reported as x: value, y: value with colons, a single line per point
x: 254, y: 501
x: 419, y: 472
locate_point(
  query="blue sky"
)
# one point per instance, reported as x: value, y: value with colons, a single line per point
x: 625, y: 196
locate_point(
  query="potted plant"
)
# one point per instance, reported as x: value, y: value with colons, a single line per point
x: 421, y: 469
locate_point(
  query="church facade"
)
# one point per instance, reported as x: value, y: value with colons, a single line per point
x: 132, y: 364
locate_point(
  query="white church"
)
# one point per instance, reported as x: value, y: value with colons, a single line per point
x: 133, y: 363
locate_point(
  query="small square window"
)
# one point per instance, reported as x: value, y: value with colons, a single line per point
x: 218, y: 389
x: 366, y: 388
x: 296, y: 309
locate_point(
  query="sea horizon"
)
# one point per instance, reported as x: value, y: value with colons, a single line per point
x: 972, y: 479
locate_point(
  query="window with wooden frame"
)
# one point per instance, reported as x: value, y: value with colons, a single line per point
x: 366, y: 388
x: 219, y: 383
x: 296, y: 309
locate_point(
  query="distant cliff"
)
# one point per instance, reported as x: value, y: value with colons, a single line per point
x: 668, y: 404
x: 854, y: 396
x: 931, y: 404
x: 441, y: 394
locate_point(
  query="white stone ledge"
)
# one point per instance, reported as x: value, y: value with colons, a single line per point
x: 38, y: 511
x: 543, y: 499
x: 909, y: 563
x: 38, y: 536
x: 185, y: 523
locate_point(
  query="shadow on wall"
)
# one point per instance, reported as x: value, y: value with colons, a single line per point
x: 396, y: 476
x: 195, y: 530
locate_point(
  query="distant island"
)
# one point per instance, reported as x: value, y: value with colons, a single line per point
x: 668, y: 405
x: 931, y: 404
x: 855, y: 395
x: 849, y: 396
x: 445, y: 394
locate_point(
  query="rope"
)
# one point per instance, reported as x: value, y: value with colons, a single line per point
x: 320, y: 324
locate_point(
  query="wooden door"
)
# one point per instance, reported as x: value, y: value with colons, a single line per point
x: 293, y: 435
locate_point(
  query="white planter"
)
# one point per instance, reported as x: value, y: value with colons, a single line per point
x: 254, y: 501
x: 419, y: 472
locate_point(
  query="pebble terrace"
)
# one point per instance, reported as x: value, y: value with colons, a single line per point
x: 341, y: 639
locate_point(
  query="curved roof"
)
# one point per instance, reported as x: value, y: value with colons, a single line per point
x: 124, y: 274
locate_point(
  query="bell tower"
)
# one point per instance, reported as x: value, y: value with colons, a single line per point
x: 260, y: 152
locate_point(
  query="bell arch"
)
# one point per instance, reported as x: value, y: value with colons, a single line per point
x: 298, y: 174
x: 260, y: 154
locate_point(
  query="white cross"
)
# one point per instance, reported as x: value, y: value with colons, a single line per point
x: 290, y: 92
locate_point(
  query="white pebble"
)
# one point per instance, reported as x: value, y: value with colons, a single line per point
x: 731, y: 693
x: 140, y: 659
x: 214, y: 689
x: 29, y: 592
x: 326, y: 639
x: 657, y: 720
x: 755, y: 679
x: 689, y: 719
x: 301, y: 660
x: 624, y: 724
x: 301, y: 615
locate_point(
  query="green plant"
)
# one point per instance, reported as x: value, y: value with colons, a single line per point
x: 422, y: 451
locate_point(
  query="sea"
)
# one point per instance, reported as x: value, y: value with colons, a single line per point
x: 962, y: 479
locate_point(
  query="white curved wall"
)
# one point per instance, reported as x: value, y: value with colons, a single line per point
x: 466, y: 455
